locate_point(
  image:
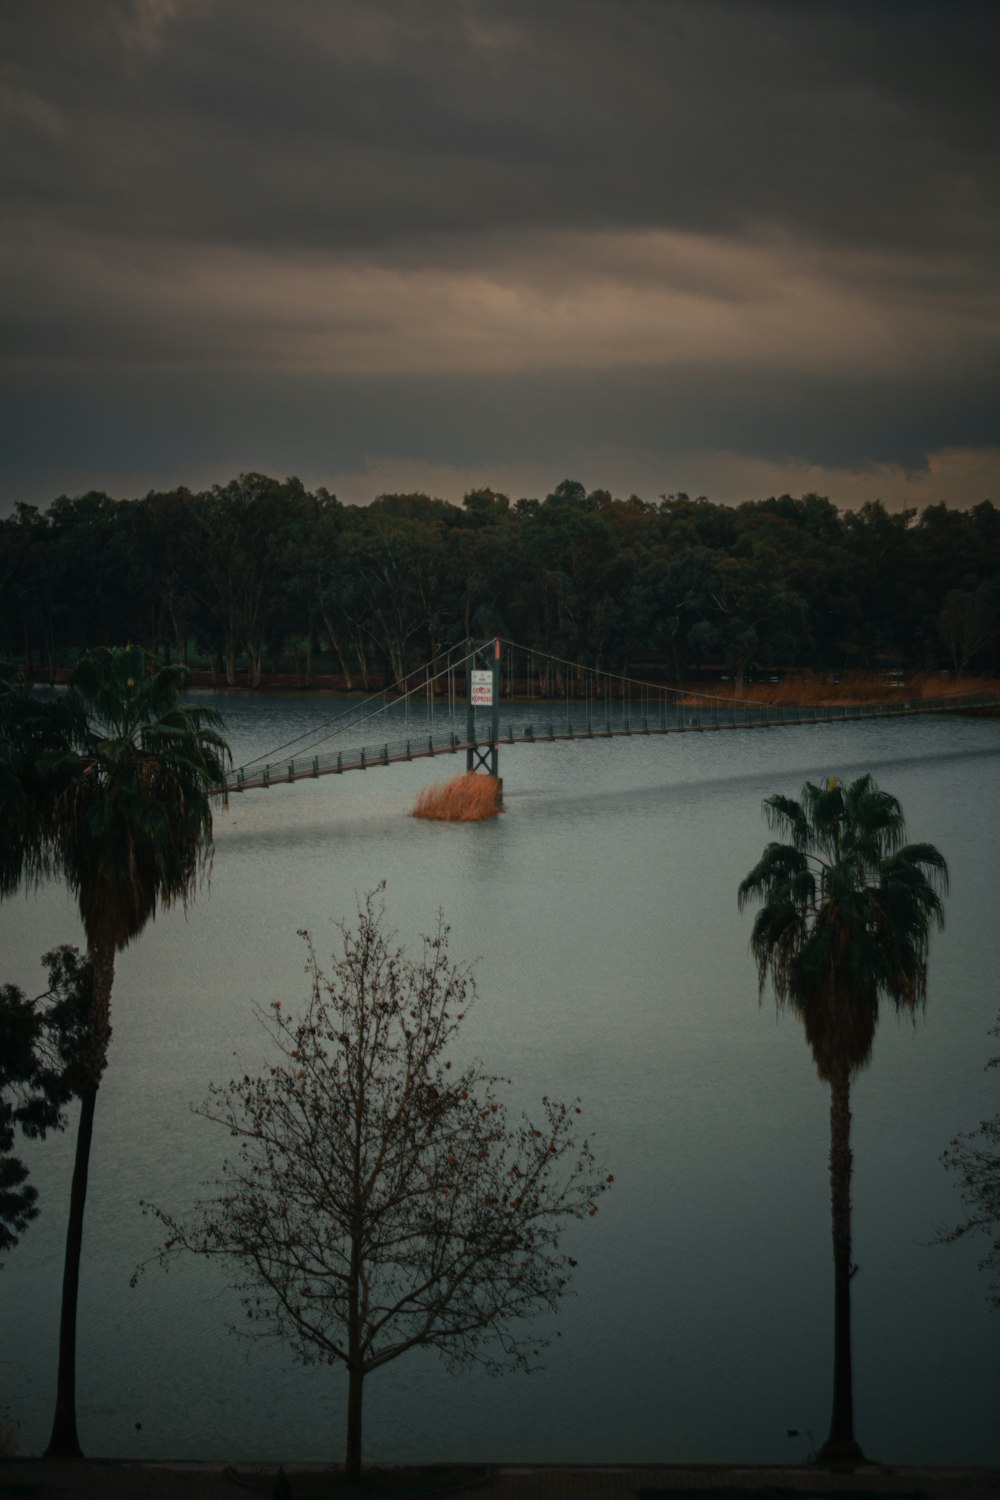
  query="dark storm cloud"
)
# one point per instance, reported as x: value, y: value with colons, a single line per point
x: 318, y: 235
x: 255, y: 421
x: 327, y: 122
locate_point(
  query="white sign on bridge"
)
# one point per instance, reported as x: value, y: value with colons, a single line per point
x: 482, y: 689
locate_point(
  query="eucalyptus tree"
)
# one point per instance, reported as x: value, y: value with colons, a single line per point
x: 485, y: 564
x: 406, y: 564
x: 967, y: 624
x: 236, y: 564
x: 89, y: 590
x: 844, y: 923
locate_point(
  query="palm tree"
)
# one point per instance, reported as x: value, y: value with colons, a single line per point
x: 845, y: 922
x: 124, y: 816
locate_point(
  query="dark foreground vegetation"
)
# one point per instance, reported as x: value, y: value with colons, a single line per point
x: 262, y: 576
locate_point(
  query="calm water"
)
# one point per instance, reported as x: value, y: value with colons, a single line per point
x: 601, y: 910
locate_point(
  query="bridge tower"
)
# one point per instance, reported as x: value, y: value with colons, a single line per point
x: 483, y: 679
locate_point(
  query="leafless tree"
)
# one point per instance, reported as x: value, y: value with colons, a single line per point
x: 975, y: 1156
x: 380, y: 1199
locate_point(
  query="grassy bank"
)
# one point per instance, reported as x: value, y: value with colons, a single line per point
x: 845, y: 689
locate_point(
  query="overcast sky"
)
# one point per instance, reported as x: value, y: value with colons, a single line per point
x: 725, y: 246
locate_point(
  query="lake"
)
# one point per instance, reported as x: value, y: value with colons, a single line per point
x: 612, y: 964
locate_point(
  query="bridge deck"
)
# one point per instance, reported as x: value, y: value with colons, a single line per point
x: 689, y: 720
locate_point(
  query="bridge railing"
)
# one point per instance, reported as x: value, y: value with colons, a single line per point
x: 544, y: 722
x: 358, y: 758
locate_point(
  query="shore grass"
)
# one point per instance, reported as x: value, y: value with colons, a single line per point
x: 835, y: 689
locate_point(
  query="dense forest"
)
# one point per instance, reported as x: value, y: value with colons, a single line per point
x: 261, y: 575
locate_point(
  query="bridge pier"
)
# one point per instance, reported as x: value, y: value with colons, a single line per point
x: 483, y: 682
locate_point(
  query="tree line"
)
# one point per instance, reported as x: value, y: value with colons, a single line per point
x: 261, y: 574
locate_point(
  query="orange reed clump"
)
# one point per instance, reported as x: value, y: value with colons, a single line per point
x: 463, y: 799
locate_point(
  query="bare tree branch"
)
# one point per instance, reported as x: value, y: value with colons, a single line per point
x: 380, y: 1199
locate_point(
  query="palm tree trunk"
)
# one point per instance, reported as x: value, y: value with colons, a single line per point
x: 64, y: 1441
x: 841, y: 1445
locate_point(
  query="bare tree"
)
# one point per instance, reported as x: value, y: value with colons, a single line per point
x: 380, y: 1199
x: 975, y: 1156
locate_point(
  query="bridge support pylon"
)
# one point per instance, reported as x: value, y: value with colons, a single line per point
x: 483, y: 691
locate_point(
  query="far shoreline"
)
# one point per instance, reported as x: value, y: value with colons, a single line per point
x: 819, y: 689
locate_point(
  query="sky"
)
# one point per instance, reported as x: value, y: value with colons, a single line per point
x: 730, y: 247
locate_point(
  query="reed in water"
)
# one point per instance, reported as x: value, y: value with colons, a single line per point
x: 463, y: 799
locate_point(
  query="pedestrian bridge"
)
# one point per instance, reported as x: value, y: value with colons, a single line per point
x: 483, y: 695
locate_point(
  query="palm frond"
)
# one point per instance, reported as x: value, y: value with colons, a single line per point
x: 786, y: 816
x: 780, y: 866
x: 845, y: 915
x: 127, y: 815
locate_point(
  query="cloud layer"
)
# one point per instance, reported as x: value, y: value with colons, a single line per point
x: 492, y: 237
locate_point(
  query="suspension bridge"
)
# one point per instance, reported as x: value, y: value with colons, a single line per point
x: 480, y: 695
